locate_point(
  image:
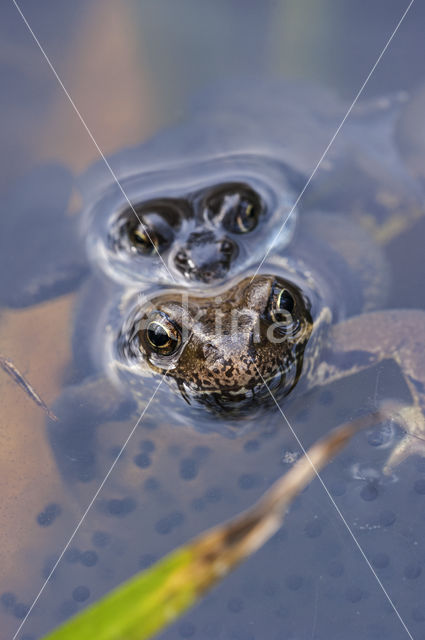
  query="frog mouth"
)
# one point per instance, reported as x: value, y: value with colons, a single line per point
x: 239, y: 402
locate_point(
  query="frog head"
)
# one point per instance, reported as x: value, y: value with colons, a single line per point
x: 201, y: 235
x: 224, y: 351
x: 200, y: 223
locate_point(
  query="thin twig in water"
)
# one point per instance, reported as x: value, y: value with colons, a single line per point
x: 13, y: 372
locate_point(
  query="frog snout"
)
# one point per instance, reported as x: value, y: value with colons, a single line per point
x: 206, y: 256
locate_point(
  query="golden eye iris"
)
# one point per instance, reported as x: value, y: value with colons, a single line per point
x: 282, y: 307
x: 163, y: 336
x: 143, y: 240
x: 247, y: 216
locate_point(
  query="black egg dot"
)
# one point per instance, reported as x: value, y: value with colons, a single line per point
x: 338, y: 489
x: 67, y: 609
x: 121, y: 507
x: 146, y: 560
x: 380, y: 560
x: 251, y: 445
x: 335, y: 569
x: 100, y: 539
x: 387, y: 518
x: 189, y: 468
x: 313, y: 529
x: 142, y: 460
x: 412, y: 571
x: 420, y: 487
x: 147, y: 446
x: 214, y: 494
x: 235, y: 605
x: 354, y: 594
x: 89, y: 558
x: 369, y: 492
x: 249, y: 481
x: 81, y: 593
x: 72, y: 555
x: 151, y: 484
x: 20, y: 610
x: 187, y: 630
x: 294, y: 582
x: 49, y: 515
x: 49, y: 566
x: 116, y: 451
x: 163, y: 526
x: 43, y: 520
x: 198, y: 504
x: 8, y: 599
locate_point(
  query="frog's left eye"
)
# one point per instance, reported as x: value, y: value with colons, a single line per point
x: 145, y: 240
x: 282, y: 306
x: 161, y: 335
x: 148, y: 227
x: 237, y: 206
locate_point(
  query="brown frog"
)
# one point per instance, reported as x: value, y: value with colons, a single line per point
x: 311, y: 323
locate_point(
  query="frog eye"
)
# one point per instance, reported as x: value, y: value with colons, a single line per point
x: 161, y: 334
x: 143, y: 240
x: 237, y: 206
x: 282, y: 305
x: 148, y: 227
x: 247, y: 217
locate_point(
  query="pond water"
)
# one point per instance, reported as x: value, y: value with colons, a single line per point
x: 133, y: 68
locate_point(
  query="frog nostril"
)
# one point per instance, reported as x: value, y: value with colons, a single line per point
x: 181, y: 258
x: 227, y: 247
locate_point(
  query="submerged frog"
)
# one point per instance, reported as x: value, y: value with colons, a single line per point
x: 231, y: 174
x: 269, y: 335
x: 246, y: 345
x: 199, y: 202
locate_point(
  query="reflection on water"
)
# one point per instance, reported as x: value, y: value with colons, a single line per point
x: 131, y: 67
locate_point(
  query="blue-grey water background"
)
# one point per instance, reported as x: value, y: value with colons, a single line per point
x: 131, y: 68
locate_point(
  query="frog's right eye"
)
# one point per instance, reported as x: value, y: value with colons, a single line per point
x: 161, y: 335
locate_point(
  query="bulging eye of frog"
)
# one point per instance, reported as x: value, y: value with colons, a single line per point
x: 147, y: 228
x: 223, y: 351
x: 236, y: 206
x: 160, y: 334
x: 282, y: 310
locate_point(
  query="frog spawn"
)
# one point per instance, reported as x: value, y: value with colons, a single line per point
x: 296, y: 580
